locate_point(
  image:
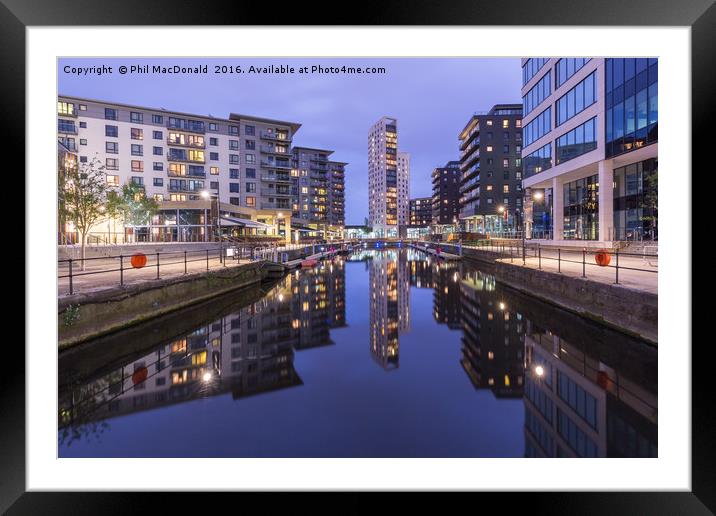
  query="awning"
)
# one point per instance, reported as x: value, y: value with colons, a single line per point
x: 231, y: 221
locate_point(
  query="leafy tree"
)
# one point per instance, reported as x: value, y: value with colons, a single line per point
x: 650, y: 207
x: 131, y: 205
x: 83, y: 194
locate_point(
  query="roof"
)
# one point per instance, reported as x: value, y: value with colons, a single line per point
x: 293, y: 125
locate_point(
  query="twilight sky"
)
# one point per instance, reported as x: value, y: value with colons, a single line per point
x: 432, y: 98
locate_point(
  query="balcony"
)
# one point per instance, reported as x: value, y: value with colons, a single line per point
x: 66, y: 129
x: 274, y: 192
x: 184, y: 159
x: 187, y: 145
x: 275, y: 206
x: 71, y: 114
x: 276, y: 164
x: 188, y: 174
x: 192, y: 129
x: 280, y: 137
x: 272, y: 149
x: 276, y: 178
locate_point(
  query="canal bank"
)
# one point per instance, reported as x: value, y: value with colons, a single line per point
x: 89, y: 315
x: 629, y: 310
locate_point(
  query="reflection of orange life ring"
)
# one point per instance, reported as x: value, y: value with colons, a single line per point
x: 139, y: 260
x: 139, y: 375
x: 603, y: 257
x: 602, y: 379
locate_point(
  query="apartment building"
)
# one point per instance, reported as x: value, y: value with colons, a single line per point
x: 191, y: 164
x: 388, y: 180
x: 421, y: 212
x: 337, y: 198
x: 590, y: 149
x: 446, y: 197
x: 491, y: 170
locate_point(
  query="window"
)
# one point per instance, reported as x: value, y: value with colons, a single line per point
x: 233, y: 130
x: 111, y: 131
x: 249, y: 130
x: 518, y: 122
x: 577, y: 99
x: 158, y: 165
x: 567, y: 67
x: 233, y: 173
x: 505, y: 123
x: 214, y: 156
x: 137, y: 165
x: 539, y: 160
x: 136, y: 134
x: 538, y: 127
x: 83, y: 141
x: 505, y: 188
x: 233, y: 144
x: 157, y: 135
x: 488, y: 148
x: 112, y: 180
x: 250, y: 187
x: 158, y: 181
x: 214, y: 141
x: 138, y: 180
x: 235, y: 202
x: 250, y: 158
x: 250, y: 173
x: 537, y: 94
x: 83, y: 107
x: 578, y: 141
x: 157, y: 119
x: 159, y: 198
x: 505, y: 149
x: 157, y: 151
x: 250, y: 144
x: 213, y: 127
x: 111, y: 164
x: 214, y: 171
x: 250, y: 201
x: 110, y: 114
x: 177, y: 197
x: 505, y: 163
x: 111, y: 147
x: 531, y: 67
x: 234, y: 188
x: 234, y: 159
x: 83, y: 125
x: 136, y: 118
x: 137, y: 150
x: 214, y: 185
x: 83, y: 159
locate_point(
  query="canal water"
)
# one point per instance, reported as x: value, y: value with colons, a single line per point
x: 381, y: 353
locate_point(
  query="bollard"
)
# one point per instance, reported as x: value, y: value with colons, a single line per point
x: 207, y: 259
x: 584, y: 263
x: 157, y: 265
x: 70, y: 275
x: 184, y: 262
x: 559, y: 260
x: 539, y: 253
x: 617, y: 266
x: 121, y: 270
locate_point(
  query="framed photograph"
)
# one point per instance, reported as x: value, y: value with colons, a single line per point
x: 419, y: 252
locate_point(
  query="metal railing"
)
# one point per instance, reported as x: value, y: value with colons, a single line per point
x: 586, y: 259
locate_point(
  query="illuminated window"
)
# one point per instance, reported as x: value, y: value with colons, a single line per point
x: 65, y: 108
x: 505, y: 124
x: 214, y: 171
x: 113, y: 180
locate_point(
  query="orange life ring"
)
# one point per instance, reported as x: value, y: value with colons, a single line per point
x: 603, y: 257
x: 138, y: 260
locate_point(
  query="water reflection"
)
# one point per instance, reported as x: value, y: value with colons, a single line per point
x: 244, y: 352
x: 582, y: 390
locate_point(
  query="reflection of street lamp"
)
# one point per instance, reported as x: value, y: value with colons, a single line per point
x: 500, y: 210
x: 206, y: 195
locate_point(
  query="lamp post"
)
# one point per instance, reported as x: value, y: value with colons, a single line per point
x: 500, y: 210
x: 207, y: 195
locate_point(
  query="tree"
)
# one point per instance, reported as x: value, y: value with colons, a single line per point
x: 131, y: 205
x: 650, y: 207
x: 83, y: 195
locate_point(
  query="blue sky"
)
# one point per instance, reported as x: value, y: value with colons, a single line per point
x: 432, y: 98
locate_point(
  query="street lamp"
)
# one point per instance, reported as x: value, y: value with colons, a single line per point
x: 500, y: 210
x: 207, y: 195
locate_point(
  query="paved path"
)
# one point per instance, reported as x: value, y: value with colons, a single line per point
x: 570, y: 263
x: 104, y: 273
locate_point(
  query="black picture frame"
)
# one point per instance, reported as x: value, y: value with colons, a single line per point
x: 700, y: 15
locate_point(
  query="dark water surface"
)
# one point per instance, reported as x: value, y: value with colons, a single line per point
x: 383, y: 353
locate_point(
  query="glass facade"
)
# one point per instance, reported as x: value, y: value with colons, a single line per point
x: 538, y: 127
x: 567, y: 67
x: 581, y: 209
x: 578, y: 141
x: 635, y: 201
x: 577, y: 99
x: 631, y: 104
x: 538, y: 161
x: 531, y: 67
x: 537, y: 94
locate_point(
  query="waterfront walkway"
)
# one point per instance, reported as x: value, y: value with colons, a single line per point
x: 104, y: 273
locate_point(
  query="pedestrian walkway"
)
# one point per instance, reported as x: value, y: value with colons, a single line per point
x: 104, y: 273
x: 639, y: 272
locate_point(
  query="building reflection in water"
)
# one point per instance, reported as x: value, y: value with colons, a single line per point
x: 245, y: 352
